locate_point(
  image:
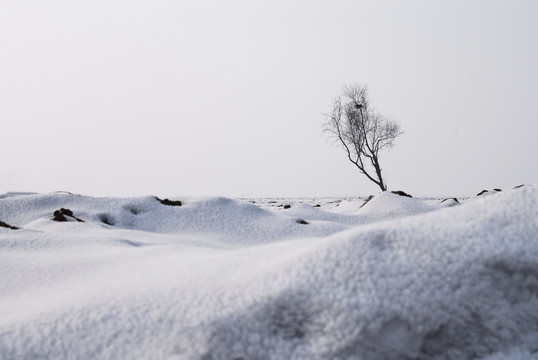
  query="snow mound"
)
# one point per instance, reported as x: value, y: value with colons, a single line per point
x: 454, y: 283
x: 384, y: 206
x: 449, y: 202
x: 228, y: 221
x: 388, y: 206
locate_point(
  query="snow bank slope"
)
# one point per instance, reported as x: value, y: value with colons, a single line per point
x: 389, y: 205
x: 456, y: 283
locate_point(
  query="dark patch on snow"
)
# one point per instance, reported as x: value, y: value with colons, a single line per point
x: 302, y: 222
x: 401, y: 193
x: 60, y: 215
x: 287, y: 206
x: 448, y: 199
x: 4, y: 225
x: 485, y: 191
x: 169, y: 202
x: 519, y: 186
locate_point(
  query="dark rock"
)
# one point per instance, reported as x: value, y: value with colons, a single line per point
x: 447, y: 199
x: 449, y: 202
x: 317, y: 205
x: 60, y: 215
x: 519, y: 186
x: 287, y: 206
x: 485, y: 191
x: 302, y: 222
x: 401, y: 193
x: 3, y: 224
x: 169, y: 202
x: 369, y: 198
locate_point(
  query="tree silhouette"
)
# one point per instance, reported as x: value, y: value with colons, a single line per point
x: 361, y: 131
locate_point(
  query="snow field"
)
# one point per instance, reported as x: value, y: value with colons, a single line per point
x: 221, y: 279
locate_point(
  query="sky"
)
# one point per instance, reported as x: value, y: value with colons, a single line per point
x: 227, y: 98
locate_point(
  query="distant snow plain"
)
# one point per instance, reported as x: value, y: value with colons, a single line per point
x: 225, y: 279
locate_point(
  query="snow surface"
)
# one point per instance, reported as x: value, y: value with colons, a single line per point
x: 222, y: 279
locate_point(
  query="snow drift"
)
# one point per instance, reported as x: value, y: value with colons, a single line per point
x: 220, y: 279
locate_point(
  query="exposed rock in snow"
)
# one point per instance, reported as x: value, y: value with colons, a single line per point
x: 7, y: 226
x: 169, y: 202
x: 486, y: 192
x: 448, y: 202
x: 401, y: 193
x: 64, y: 215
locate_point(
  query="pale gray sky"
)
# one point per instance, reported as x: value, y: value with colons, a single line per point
x: 211, y: 97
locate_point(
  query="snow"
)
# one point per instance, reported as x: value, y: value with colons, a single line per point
x: 223, y: 279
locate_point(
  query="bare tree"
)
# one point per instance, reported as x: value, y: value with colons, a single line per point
x: 361, y: 131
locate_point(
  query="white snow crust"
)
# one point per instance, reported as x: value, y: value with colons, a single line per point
x: 222, y: 279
